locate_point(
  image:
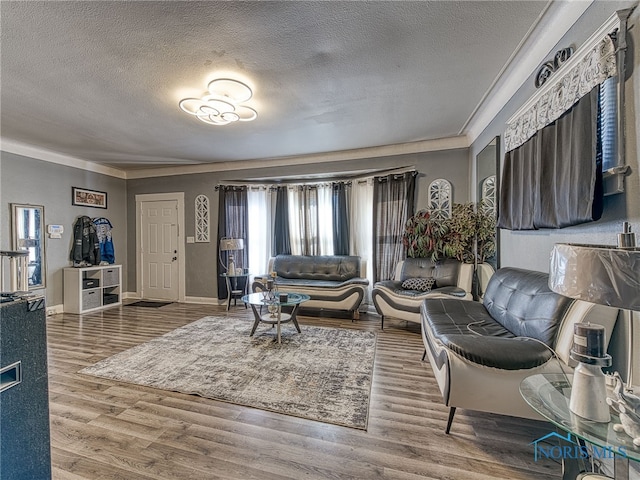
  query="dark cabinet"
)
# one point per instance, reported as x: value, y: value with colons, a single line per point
x: 25, y: 451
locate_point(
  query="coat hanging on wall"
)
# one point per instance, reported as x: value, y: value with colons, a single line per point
x: 103, y: 230
x: 86, y: 246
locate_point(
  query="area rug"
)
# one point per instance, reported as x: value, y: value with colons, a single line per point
x: 147, y: 303
x: 322, y: 374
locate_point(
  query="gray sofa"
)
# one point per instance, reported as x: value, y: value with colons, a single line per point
x: 452, y: 279
x: 480, y: 352
x: 334, y: 282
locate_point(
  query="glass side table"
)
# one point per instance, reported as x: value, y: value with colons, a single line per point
x: 549, y: 394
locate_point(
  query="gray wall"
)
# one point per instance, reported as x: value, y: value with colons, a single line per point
x: 531, y: 249
x: 201, y: 258
x: 617, y: 208
x: 30, y: 181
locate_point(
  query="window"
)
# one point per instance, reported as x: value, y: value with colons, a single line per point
x: 311, y: 219
x: 607, y: 122
x: 600, y: 61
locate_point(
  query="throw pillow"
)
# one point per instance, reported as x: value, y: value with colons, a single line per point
x: 421, y: 284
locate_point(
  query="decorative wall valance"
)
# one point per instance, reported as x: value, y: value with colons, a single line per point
x: 584, y: 70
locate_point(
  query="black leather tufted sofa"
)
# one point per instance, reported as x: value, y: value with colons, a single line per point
x: 480, y: 352
x: 336, y: 282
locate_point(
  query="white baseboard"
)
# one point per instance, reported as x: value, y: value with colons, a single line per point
x: 204, y: 300
x: 197, y: 300
x: 55, y: 309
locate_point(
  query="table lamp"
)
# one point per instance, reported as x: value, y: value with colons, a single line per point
x: 605, y: 275
x: 230, y: 245
x: 589, y: 390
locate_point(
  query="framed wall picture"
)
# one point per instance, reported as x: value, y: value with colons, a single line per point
x: 88, y: 198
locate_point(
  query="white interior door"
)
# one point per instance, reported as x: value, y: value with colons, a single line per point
x: 159, y: 248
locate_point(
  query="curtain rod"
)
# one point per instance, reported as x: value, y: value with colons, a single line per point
x: 359, y: 179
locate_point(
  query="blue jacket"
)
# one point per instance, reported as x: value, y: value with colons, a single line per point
x: 103, y: 230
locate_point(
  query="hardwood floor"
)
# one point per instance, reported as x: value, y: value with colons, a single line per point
x: 102, y: 429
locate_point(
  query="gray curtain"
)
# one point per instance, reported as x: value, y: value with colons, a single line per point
x: 393, y: 204
x: 307, y: 196
x: 232, y: 223
x: 281, y: 239
x: 340, y: 219
x: 554, y: 180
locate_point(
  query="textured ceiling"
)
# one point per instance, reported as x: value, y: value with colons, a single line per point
x: 100, y: 81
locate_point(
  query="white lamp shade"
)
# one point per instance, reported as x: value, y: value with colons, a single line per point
x: 227, y: 244
x: 601, y: 274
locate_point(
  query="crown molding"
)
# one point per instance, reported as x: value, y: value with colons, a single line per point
x: 450, y: 143
x: 552, y: 25
x: 38, y: 153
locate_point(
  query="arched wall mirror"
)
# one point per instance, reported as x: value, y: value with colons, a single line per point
x: 487, y: 183
x: 28, y: 234
x: 440, y: 198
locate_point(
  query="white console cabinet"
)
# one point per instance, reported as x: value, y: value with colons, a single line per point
x: 88, y: 289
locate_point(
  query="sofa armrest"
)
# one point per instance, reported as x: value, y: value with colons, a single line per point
x: 465, y: 277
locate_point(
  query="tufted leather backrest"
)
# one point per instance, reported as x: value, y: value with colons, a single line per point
x: 317, y: 267
x: 521, y: 301
x: 445, y: 271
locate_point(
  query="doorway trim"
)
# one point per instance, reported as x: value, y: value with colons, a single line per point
x: 156, y: 197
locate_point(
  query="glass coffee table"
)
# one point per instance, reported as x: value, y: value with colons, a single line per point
x: 275, y: 315
x: 549, y: 394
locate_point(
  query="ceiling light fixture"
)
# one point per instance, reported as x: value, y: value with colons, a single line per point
x: 222, y: 104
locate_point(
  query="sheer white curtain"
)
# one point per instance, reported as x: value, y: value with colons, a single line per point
x: 325, y: 218
x: 298, y: 203
x: 311, y: 219
x: 260, y: 202
x: 361, y: 222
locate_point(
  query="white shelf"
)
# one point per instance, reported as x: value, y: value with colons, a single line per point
x: 87, y: 289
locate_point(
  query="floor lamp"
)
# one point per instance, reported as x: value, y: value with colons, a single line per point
x: 230, y: 245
